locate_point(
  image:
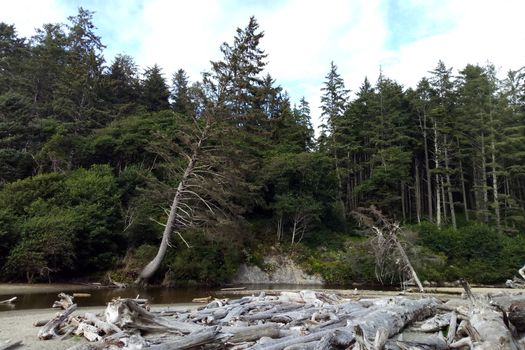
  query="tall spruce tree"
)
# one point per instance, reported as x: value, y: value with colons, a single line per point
x: 155, y: 92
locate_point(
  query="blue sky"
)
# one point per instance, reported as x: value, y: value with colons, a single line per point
x: 405, y: 38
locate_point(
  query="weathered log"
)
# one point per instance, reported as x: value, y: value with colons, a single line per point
x: 88, y: 331
x: 436, y: 323
x: 201, y: 337
x: 251, y: 333
x: 50, y: 329
x: 452, y: 328
x: 65, y: 301
x: 40, y: 323
x: 81, y: 295
x: 232, y: 289
x: 106, y: 327
x: 420, y: 340
x: 126, y: 313
x: 10, y: 345
x: 8, y: 301
x: 490, y: 326
x: 201, y: 300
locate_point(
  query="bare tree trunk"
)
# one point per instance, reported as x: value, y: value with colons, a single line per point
x: 418, y: 194
x: 449, y: 188
x: 427, y: 170
x: 154, y: 264
x: 443, y: 199
x: 463, y: 190
x: 484, y: 180
x: 403, y: 204
x: 495, y: 184
x: 436, y: 160
x: 279, y: 228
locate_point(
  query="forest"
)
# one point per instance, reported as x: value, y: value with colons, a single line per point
x: 92, y: 152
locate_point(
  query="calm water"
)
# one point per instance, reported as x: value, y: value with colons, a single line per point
x: 99, y: 297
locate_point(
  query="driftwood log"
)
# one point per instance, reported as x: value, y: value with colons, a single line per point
x: 64, y: 302
x: 304, y: 320
x: 8, y: 301
x: 10, y: 345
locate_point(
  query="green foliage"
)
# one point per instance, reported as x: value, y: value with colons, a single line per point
x: 208, y: 261
x: 475, y: 252
x: 61, y: 223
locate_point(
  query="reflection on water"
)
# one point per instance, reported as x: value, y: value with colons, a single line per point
x: 99, y: 297
x: 156, y: 295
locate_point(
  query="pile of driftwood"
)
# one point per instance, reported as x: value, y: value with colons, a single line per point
x: 302, y: 320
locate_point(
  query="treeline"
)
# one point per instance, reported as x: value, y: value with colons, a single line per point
x: 453, y: 145
x: 91, y: 153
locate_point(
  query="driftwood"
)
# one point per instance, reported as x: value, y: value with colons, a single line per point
x: 64, y: 302
x: 304, y: 320
x: 8, y: 301
x: 10, y: 345
x: 50, y: 329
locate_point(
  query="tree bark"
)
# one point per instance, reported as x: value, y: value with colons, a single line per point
x: 436, y: 161
x: 463, y: 190
x: 418, y: 193
x: 449, y: 188
x: 427, y: 170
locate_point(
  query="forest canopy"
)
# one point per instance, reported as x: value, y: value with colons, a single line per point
x: 91, y: 152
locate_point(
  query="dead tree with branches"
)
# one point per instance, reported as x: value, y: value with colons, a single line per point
x: 390, y: 256
x: 196, y: 192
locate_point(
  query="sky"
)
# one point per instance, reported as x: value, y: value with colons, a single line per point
x: 403, y: 38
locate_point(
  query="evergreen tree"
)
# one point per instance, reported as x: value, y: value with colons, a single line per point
x: 123, y: 85
x: 180, y: 93
x: 155, y: 92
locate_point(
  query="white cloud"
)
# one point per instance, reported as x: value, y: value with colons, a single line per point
x: 28, y: 15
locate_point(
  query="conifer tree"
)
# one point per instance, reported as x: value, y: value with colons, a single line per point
x: 155, y: 92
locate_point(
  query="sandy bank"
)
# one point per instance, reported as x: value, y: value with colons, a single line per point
x: 24, y: 288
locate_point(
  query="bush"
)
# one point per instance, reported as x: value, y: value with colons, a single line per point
x: 476, y: 252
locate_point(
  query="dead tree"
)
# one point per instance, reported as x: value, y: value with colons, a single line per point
x: 388, y: 249
x: 182, y: 212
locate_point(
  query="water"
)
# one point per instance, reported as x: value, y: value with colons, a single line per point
x: 99, y: 297
x: 33, y: 296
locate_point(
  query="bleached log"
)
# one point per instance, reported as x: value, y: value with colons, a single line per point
x: 126, y: 313
x: 106, y: 327
x: 88, y: 331
x: 10, y: 345
x: 81, y: 295
x: 490, y: 326
x: 436, y: 323
x: 40, y: 323
x: 419, y: 341
x: 64, y: 302
x: 204, y: 336
x: 8, y: 301
x: 452, y: 328
x: 49, y: 330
